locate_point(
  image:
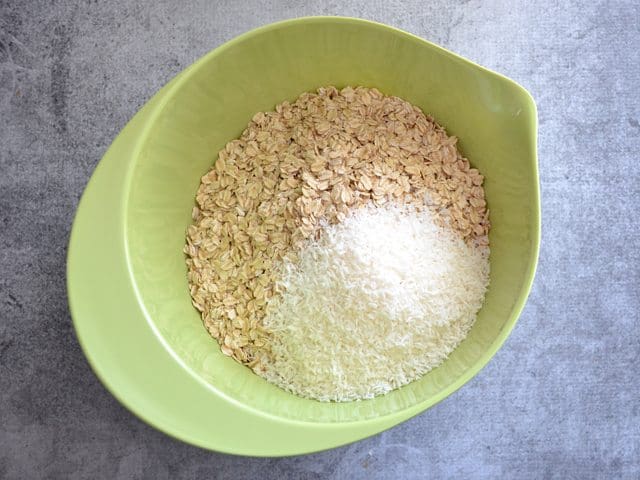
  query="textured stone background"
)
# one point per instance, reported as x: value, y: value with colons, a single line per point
x: 560, y: 400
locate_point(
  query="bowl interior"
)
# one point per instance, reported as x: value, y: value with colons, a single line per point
x: 493, y: 117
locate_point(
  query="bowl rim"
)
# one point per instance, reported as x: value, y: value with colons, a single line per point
x: 147, y: 118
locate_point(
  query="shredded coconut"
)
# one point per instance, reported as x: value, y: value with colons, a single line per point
x: 373, y: 304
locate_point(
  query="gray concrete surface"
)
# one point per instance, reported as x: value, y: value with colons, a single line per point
x: 560, y: 400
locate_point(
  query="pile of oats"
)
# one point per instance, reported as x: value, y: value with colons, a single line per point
x: 306, y: 163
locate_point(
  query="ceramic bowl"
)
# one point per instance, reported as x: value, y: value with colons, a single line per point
x: 126, y: 271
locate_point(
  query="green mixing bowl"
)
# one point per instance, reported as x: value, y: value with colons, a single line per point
x: 126, y: 271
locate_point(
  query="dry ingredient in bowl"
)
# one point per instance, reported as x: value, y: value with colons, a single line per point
x: 296, y: 172
x: 373, y: 304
